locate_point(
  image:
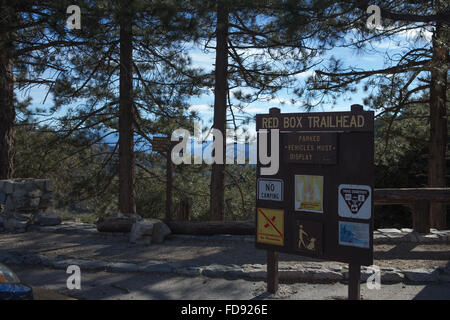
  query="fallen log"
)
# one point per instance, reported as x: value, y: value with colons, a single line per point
x: 212, y: 227
x: 115, y: 225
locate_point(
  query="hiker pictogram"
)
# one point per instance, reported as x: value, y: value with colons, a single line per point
x: 302, y: 236
x: 309, y: 237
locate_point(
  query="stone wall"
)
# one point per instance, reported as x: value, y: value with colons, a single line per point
x: 21, y: 200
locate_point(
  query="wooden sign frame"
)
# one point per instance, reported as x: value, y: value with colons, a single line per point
x: 326, y: 160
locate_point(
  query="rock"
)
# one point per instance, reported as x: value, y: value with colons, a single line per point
x: 391, y: 276
x: 8, y: 187
x: 48, y: 185
x: 22, y: 216
x: 257, y: 275
x: 380, y: 238
x: 335, y: 268
x: 142, y: 228
x: 421, y: 275
x: 36, y: 193
x: 315, y: 275
x: 389, y: 230
x: 158, y: 268
x: 46, y: 201
x: 2, y: 197
x: 154, y: 228
x: 428, y: 238
x: 14, y: 225
x: 443, y: 235
x: 283, y: 267
x: 189, y: 271
x: 122, y: 267
x: 9, y: 203
x: 397, y: 238
x: 47, y: 218
x: 160, y: 232
x: 217, y: 271
x: 412, y: 237
x: 327, y: 275
x: 26, y: 203
x: 25, y: 195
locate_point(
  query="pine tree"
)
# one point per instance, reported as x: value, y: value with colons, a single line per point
x: 136, y: 45
x: 253, y: 61
x: 32, y: 34
x: 419, y: 70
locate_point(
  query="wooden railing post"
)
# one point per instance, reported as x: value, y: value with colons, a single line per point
x: 421, y: 216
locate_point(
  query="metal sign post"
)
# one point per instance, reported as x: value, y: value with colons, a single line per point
x: 320, y: 203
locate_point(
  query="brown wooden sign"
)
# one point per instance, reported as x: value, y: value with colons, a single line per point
x: 326, y: 179
x: 319, y: 148
x: 160, y: 144
x: 324, y: 121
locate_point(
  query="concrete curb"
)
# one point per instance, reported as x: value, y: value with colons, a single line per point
x: 380, y: 236
x: 297, y: 273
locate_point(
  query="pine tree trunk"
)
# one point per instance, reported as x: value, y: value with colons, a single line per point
x: 220, y: 109
x: 438, y: 124
x: 7, y: 110
x: 127, y: 203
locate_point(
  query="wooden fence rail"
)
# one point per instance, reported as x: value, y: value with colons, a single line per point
x: 417, y: 199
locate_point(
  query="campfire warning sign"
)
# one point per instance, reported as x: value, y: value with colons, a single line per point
x: 270, y: 226
x: 355, y: 201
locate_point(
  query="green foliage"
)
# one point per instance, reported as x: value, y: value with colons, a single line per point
x: 86, y: 184
x: 82, y: 172
x: 401, y: 148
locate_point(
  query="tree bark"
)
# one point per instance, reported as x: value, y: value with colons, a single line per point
x: 220, y: 109
x: 438, y: 122
x: 127, y: 198
x: 7, y: 109
x: 169, y: 184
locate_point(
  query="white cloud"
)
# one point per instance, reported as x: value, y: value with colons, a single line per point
x: 285, y: 101
x: 417, y: 33
x: 200, y: 108
x: 255, y: 110
x: 306, y: 74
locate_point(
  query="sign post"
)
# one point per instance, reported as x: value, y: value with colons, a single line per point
x: 272, y: 271
x: 164, y: 146
x: 319, y: 204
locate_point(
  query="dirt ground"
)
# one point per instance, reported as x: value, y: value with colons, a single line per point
x: 201, y: 251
